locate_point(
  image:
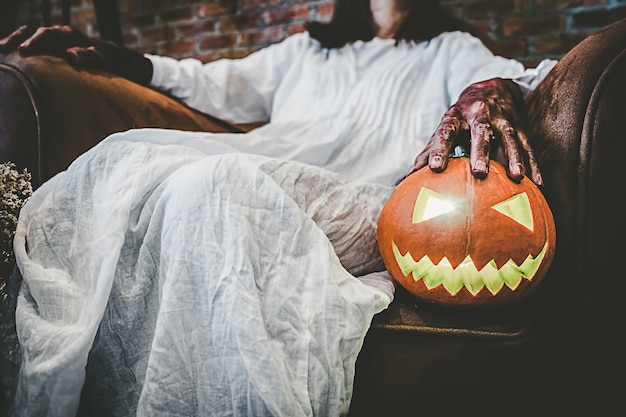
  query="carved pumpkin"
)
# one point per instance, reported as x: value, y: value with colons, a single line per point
x: 451, y: 239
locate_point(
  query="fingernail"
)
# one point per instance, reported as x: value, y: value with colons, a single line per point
x: 517, y: 169
x: 436, y: 162
x: 480, y: 167
x: 75, y: 56
x: 538, y: 179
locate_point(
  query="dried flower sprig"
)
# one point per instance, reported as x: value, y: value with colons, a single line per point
x: 15, y: 189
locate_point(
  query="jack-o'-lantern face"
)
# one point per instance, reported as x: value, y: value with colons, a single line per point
x: 451, y: 239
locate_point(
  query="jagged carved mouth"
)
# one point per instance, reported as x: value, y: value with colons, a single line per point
x: 466, y: 274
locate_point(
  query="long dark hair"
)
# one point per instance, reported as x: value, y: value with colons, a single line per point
x: 352, y: 21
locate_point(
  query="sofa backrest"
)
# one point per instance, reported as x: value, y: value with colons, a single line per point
x: 50, y: 112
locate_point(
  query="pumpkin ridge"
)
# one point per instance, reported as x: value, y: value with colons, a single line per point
x: 469, y: 191
x: 547, y: 216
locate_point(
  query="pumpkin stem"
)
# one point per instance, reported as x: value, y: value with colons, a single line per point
x: 459, y: 152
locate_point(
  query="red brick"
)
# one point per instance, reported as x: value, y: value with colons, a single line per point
x: 195, y: 28
x: 481, y: 27
x: 218, y: 41
x: 217, y: 8
x: 240, y: 22
x: 248, y: 5
x: 533, y: 25
x: 296, y: 28
x: 262, y: 37
x: 179, y: 48
x: 157, y: 34
x: 287, y: 15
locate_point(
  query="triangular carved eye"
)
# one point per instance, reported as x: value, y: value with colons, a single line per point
x: 518, y: 209
x: 430, y: 204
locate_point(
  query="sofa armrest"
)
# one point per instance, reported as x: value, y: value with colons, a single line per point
x: 576, y: 118
x: 51, y: 112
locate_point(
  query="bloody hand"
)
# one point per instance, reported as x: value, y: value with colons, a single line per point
x: 79, y: 50
x: 490, y: 111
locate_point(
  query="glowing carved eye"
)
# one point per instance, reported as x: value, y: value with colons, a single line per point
x: 518, y: 209
x: 430, y: 204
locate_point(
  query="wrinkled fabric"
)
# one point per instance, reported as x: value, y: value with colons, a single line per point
x: 209, y: 282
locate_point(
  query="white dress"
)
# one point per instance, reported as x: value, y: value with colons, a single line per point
x: 365, y: 110
x: 183, y: 274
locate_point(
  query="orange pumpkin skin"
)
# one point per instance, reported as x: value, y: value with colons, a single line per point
x: 481, y: 244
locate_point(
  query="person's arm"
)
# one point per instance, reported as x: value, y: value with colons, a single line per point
x: 238, y: 90
x: 79, y: 50
x: 488, y: 95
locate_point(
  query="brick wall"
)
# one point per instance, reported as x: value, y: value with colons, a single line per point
x: 528, y: 30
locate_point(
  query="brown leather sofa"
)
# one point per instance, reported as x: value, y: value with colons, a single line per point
x: 559, y: 352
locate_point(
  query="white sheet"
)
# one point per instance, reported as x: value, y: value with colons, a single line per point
x: 209, y: 282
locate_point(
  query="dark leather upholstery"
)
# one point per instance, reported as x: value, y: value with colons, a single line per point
x: 557, y: 353
x: 577, y: 116
x: 51, y: 112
